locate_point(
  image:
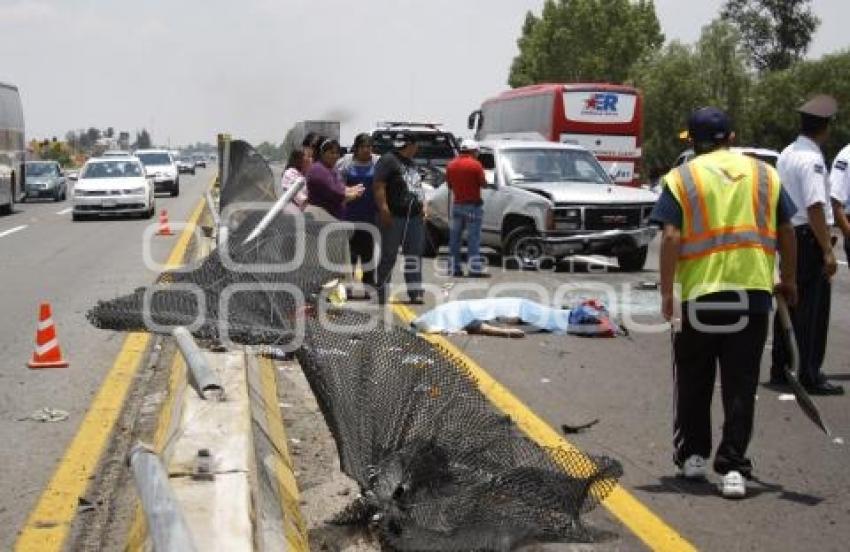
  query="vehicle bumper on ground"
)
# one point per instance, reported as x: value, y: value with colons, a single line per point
x: 606, y: 241
x: 117, y: 205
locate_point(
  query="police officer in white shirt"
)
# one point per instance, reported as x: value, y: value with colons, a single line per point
x: 839, y: 183
x: 802, y: 170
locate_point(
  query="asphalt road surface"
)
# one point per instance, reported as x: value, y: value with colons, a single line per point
x: 800, y: 501
x: 46, y: 257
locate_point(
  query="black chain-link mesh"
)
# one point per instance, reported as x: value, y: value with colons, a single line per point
x: 438, y: 467
x: 259, y: 312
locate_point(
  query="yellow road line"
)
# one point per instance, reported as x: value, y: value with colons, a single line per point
x: 295, y: 530
x: 648, y: 527
x: 47, y: 526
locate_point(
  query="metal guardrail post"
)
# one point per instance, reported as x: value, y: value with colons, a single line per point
x: 166, y: 525
x: 276, y: 208
x: 205, y: 380
x: 211, y: 207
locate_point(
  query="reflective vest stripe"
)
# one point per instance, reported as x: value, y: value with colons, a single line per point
x: 725, y: 248
x: 691, y: 199
x: 700, y: 242
x: 729, y: 229
x: 738, y: 239
x: 763, y: 206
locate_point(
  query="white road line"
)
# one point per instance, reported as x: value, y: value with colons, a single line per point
x: 842, y: 263
x: 12, y: 230
x: 65, y: 211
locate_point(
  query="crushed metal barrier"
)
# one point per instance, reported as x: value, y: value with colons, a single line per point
x: 438, y: 467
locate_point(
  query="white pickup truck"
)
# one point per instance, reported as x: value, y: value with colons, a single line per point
x: 546, y: 200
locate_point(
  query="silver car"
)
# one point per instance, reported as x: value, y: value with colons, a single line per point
x: 546, y: 201
x: 45, y: 179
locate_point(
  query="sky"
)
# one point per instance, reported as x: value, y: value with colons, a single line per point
x: 188, y: 69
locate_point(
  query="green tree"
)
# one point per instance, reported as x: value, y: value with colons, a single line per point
x: 672, y: 88
x: 776, y: 33
x: 680, y: 78
x: 773, y: 120
x: 585, y: 40
x: 143, y: 140
x: 270, y: 151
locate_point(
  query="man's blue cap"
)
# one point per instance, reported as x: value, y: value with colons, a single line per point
x: 709, y: 124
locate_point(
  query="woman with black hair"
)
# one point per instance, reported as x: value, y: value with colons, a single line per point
x: 296, y: 167
x: 325, y: 188
x: 358, y: 169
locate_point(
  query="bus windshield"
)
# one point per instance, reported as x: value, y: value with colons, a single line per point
x: 552, y: 165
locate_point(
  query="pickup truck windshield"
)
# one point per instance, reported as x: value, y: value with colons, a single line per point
x: 552, y: 165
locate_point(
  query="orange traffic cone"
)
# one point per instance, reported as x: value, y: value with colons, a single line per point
x: 47, y: 353
x: 164, y: 228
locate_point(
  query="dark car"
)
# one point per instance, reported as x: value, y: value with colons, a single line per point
x: 45, y: 179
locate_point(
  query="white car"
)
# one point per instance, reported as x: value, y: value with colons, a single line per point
x: 546, y: 200
x: 161, y: 165
x: 113, y: 185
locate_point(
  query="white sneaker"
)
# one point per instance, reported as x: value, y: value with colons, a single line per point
x: 693, y: 468
x: 733, y: 485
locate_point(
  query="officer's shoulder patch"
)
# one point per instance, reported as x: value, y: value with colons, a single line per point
x: 819, y: 169
x: 841, y: 165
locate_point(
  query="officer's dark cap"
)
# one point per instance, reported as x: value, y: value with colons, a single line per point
x: 821, y: 106
x: 709, y: 124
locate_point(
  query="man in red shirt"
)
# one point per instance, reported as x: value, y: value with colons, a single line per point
x: 465, y: 177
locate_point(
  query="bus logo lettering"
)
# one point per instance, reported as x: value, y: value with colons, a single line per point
x: 601, y: 104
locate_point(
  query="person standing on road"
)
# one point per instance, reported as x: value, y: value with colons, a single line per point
x: 839, y: 183
x: 296, y: 168
x: 358, y: 169
x: 803, y: 172
x: 465, y: 178
x: 325, y: 188
x: 400, y: 217
x: 722, y: 215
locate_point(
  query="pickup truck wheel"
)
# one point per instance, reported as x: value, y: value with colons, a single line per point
x: 525, y: 246
x: 433, y: 241
x: 634, y: 260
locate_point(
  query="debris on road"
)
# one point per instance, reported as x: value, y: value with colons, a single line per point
x: 47, y: 415
x: 572, y: 429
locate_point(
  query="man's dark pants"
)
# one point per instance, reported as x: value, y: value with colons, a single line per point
x: 409, y: 234
x: 696, y: 356
x: 362, y: 248
x: 810, y: 318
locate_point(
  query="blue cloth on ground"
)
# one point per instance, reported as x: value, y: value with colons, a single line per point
x: 456, y: 316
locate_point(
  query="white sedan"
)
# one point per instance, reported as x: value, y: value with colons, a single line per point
x: 113, y: 185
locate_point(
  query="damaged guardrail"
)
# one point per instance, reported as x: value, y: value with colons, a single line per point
x: 205, y: 381
x: 166, y: 524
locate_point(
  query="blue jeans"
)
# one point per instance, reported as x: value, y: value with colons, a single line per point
x: 466, y: 216
x: 409, y: 234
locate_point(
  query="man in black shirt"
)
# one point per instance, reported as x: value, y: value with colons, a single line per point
x: 400, y: 217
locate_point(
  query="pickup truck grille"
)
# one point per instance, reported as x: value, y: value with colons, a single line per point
x: 612, y: 218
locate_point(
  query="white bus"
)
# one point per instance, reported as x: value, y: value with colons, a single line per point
x: 12, y: 147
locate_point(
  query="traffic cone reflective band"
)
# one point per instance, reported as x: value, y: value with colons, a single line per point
x: 47, y: 353
x: 164, y: 228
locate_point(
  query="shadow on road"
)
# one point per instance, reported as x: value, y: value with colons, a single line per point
x: 755, y: 488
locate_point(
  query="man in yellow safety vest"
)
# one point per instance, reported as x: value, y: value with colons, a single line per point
x: 723, y: 215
